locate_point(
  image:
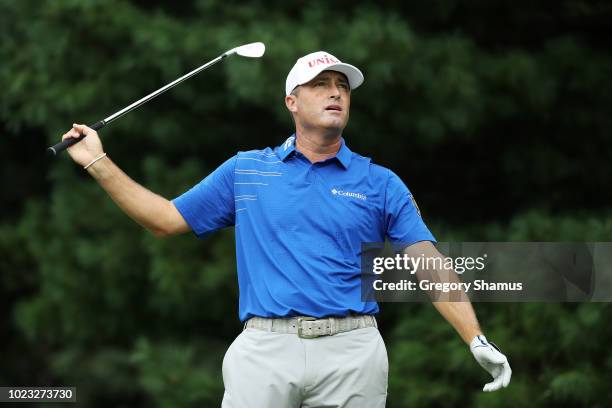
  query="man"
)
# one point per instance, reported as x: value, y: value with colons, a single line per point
x: 301, y: 211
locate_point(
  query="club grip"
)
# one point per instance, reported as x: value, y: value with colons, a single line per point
x: 64, y: 144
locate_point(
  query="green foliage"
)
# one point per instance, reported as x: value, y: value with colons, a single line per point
x: 176, y: 375
x: 496, y: 115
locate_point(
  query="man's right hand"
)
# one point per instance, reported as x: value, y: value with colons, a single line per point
x: 87, y: 149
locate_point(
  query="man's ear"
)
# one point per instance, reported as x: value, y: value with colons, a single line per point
x: 291, y: 103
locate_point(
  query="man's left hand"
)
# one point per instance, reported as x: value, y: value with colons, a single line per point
x: 491, y: 359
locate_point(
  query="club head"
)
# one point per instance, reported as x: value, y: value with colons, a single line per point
x: 252, y: 50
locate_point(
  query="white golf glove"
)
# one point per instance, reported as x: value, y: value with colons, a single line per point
x: 491, y: 359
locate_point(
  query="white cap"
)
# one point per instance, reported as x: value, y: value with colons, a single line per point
x: 311, y: 65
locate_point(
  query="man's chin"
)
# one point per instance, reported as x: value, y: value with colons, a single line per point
x: 334, y: 124
x: 334, y: 131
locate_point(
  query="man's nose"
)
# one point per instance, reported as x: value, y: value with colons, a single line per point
x: 335, y: 92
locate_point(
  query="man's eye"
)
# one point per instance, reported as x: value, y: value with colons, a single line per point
x: 344, y: 86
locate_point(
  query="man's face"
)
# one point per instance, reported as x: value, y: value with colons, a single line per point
x: 322, y: 103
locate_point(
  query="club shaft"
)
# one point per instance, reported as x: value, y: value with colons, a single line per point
x: 161, y: 90
x: 98, y: 125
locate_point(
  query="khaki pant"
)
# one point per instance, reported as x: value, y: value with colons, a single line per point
x: 275, y: 370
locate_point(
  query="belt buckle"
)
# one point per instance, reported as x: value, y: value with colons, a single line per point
x: 300, y: 331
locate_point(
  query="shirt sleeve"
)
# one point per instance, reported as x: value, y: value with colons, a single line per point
x: 404, y: 225
x: 209, y: 205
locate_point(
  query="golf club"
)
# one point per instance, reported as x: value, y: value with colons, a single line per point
x: 253, y: 50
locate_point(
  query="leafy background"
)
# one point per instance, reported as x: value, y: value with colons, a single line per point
x: 495, y: 113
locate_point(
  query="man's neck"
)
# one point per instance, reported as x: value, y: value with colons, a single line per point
x: 315, y: 147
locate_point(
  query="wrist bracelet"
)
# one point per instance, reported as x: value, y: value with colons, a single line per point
x: 95, y: 160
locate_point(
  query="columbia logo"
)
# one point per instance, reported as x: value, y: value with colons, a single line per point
x: 349, y: 194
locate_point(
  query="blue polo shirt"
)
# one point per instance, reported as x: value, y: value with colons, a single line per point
x: 300, y: 226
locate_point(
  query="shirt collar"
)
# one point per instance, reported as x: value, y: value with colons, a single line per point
x: 344, y: 155
x: 286, y: 148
